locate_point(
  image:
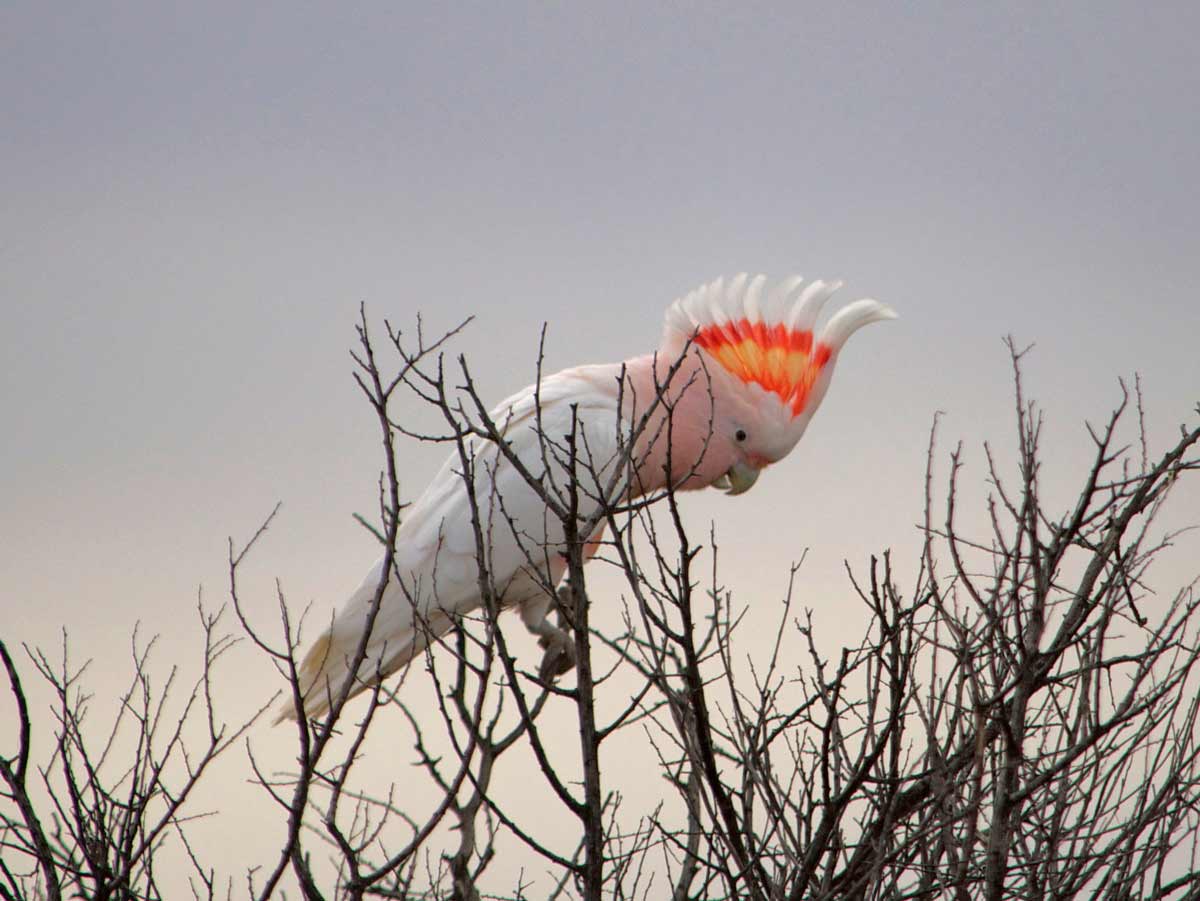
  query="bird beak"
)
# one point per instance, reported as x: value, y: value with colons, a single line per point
x: 738, y: 479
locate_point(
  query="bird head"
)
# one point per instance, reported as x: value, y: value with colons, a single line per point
x: 765, y: 368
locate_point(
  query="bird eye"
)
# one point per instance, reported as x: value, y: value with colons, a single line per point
x: 740, y: 434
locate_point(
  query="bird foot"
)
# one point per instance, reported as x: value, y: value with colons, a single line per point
x: 560, y: 654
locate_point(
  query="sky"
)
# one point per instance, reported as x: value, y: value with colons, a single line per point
x: 198, y: 198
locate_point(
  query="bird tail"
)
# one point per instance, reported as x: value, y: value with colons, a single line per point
x: 325, y: 669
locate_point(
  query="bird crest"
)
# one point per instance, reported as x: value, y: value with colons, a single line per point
x: 769, y: 341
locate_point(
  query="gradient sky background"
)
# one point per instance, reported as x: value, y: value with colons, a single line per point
x: 196, y: 199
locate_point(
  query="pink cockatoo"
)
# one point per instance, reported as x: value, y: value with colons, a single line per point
x: 736, y: 378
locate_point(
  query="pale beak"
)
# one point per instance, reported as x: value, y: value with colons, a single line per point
x: 739, y: 479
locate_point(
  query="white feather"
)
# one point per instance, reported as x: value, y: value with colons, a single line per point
x: 734, y: 294
x: 777, y: 301
x: 808, y: 305
x: 716, y: 303
x: 753, y: 293
x: 679, y: 322
x: 694, y: 304
x: 849, y: 319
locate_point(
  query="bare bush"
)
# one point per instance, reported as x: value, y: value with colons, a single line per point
x: 115, y: 795
x: 1012, y: 725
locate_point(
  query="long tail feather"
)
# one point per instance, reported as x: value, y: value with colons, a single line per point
x: 326, y: 667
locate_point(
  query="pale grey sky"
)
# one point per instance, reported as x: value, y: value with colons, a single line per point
x: 197, y: 198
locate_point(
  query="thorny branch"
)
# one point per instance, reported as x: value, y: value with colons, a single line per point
x: 1021, y: 721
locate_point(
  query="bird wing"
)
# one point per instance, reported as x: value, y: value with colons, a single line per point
x: 436, y: 570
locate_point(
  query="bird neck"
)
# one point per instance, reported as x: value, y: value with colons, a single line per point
x: 676, y: 444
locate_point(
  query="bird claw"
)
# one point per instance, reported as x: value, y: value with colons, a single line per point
x: 566, y: 603
x: 559, y: 657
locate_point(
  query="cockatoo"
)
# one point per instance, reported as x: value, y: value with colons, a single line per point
x: 736, y: 378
